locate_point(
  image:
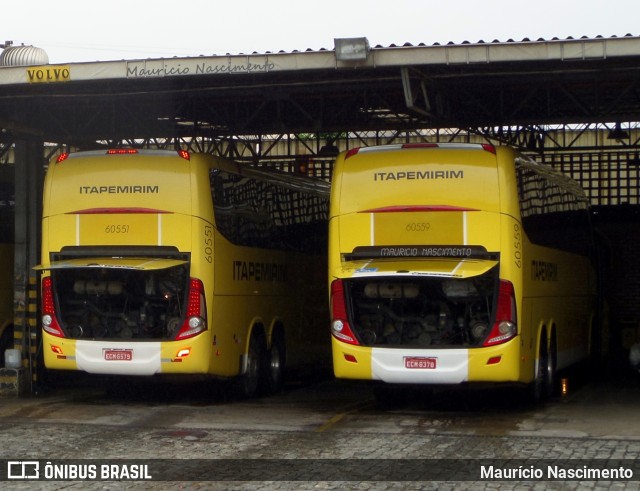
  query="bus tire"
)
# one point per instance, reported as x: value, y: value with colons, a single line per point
x: 248, y: 383
x: 551, y: 384
x: 275, y: 364
x: 542, y: 386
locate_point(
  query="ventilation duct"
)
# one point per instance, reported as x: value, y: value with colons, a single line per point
x: 23, y: 56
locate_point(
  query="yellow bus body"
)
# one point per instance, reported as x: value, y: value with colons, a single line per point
x: 402, y: 216
x: 123, y: 213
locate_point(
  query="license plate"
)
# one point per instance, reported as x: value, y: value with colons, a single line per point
x: 118, y: 354
x: 419, y: 362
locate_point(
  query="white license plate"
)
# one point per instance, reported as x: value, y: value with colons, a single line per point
x: 419, y: 362
x: 118, y: 354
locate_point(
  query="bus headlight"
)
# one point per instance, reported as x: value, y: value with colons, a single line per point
x: 342, y: 332
x: 507, y: 328
x: 195, y: 325
x: 337, y: 325
x: 196, y: 322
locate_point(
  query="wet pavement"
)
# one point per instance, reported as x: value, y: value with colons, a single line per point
x: 328, y: 434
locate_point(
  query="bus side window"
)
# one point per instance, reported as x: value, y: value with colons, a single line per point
x: 252, y: 212
x: 551, y: 216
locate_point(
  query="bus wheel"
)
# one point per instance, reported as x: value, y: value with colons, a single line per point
x: 550, y: 382
x: 542, y: 385
x: 276, y: 358
x: 247, y: 384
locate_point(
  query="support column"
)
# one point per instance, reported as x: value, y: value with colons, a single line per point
x: 29, y: 174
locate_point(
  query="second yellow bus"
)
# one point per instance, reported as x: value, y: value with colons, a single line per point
x: 458, y: 264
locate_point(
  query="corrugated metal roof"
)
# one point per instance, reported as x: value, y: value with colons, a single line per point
x: 495, y: 52
x: 497, y: 41
x: 555, y: 81
x: 436, y: 44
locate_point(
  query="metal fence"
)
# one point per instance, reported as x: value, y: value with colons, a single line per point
x: 609, y: 178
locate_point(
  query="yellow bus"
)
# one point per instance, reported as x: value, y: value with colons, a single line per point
x: 164, y: 262
x: 457, y: 264
x: 7, y: 210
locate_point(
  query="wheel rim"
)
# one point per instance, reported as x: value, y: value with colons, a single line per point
x: 540, y: 380
x: 251, y: 377
x: 275, y: 366
x: 550, y: 373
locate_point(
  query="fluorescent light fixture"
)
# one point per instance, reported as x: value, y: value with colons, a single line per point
x: 351, y: 49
